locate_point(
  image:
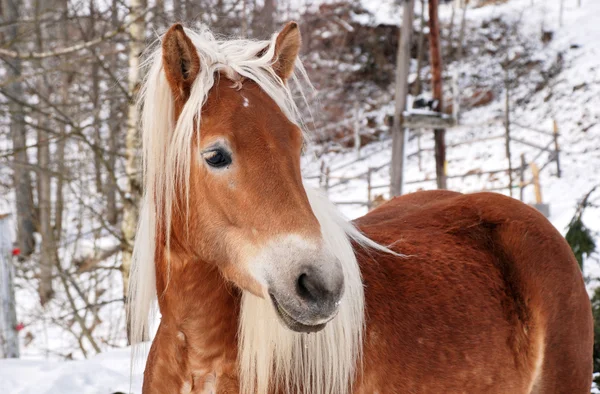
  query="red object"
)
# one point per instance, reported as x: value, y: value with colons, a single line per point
x: 16, y: 251
x: 19, y: 327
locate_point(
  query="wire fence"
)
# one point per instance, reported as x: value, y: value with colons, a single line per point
x: 526, y: 173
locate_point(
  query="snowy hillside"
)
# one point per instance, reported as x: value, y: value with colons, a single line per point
x: 569, y: 96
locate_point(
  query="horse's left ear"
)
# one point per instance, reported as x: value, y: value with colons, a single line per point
x: 180, y: 62
x: 287, y: 46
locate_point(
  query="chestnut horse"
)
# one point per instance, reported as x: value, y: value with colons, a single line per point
x: 264, y: 288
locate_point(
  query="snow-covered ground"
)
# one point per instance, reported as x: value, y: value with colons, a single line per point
x: 106, y: 373
x: 572, y: 99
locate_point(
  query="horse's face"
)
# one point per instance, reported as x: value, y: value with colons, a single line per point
x: 248, y: 210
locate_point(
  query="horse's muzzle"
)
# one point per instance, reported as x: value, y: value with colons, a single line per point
x: 310, y: 298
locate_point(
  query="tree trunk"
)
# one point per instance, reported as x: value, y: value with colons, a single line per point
x: 132, y: 140
x: 461, y: 36
x: 96, y: 104
x: 48, y: 247
x: 436, y: 77
x: 244, y: 26
x: 160, y: 16
x: 177, y: 12
x: 44, y: 181
x: 9, y: 339
x: 60, y: 145
x: 192, y: 11
x: 264, y: 23
x: 418, y: 88
x: 26, y: 225
x: 114, y: 125
x: 402, y: 71
x: 451, y: 27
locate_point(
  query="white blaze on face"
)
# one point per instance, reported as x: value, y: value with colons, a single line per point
x: 246, y: 102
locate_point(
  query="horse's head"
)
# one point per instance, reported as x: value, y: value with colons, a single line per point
x: 244, y: 208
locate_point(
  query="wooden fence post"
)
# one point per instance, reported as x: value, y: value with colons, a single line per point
x: 556, y: 149
x: 536, y: 183
x: 327, y: 180
x: 9, y: 340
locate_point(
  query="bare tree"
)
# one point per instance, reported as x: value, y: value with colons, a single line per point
x: 21, y: 168
x: 114, y: 128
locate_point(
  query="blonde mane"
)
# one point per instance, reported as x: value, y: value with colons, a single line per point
x: 270, y: 355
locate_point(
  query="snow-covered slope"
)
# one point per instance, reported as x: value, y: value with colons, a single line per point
x: 572, y: 98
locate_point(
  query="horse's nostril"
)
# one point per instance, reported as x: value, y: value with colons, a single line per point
x: 311, y: 287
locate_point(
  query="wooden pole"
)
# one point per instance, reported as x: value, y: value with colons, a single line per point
x: 436, y: 76
x: 402, y: 71
x: 556, y: 149
x: 327, y: 180
x: 507, y: 132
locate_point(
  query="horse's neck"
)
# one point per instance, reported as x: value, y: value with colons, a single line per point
x: 200, y: 316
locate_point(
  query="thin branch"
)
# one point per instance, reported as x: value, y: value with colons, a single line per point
x: 84, y: 329
x: 73, y: 48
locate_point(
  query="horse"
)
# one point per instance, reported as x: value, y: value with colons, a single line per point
x: 264, y: 287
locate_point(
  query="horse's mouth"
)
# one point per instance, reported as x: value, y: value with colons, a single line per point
x: 292, y: 323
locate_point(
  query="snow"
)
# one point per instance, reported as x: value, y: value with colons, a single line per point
x: 106, y: 373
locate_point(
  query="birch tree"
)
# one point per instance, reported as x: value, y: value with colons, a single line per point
x: 137, y: 31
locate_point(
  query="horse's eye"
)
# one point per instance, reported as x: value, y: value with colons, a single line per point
x: 217, y: 158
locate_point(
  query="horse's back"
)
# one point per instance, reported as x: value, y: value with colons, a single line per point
x: 489, y: 299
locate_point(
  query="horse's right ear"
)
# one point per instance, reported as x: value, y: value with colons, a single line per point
x: 180, y: 62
